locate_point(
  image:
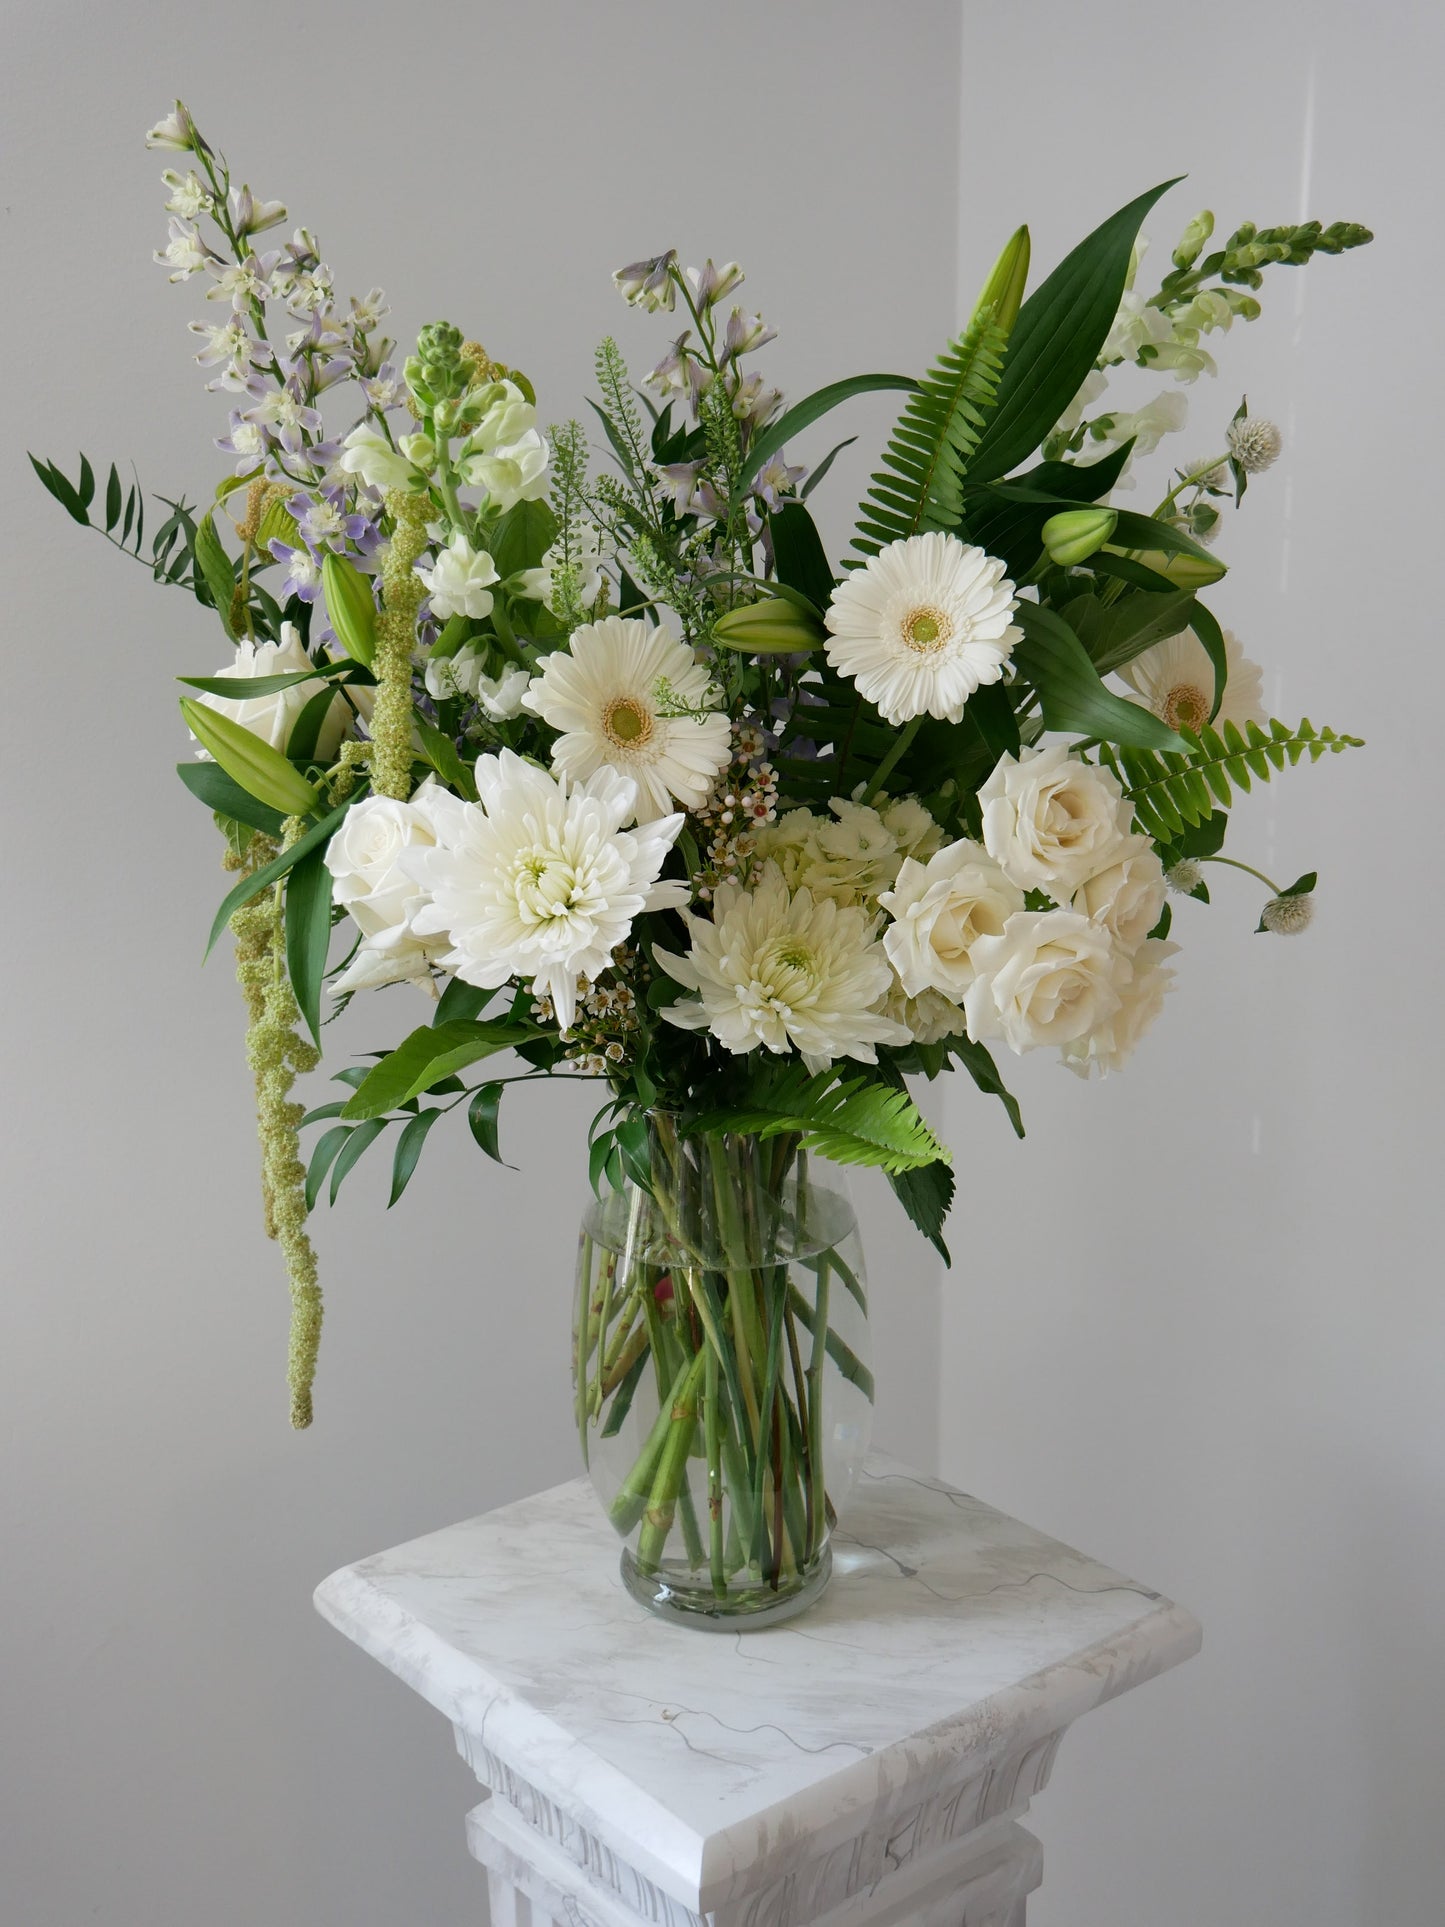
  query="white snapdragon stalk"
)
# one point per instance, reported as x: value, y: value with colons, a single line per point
x: 778, y: 969
x: 939, y: 910
x: 539, y: 879
x: 1049, y: 977
x: 515, y: 472
x: 459, y: 581
x: 273, y: 717
x: 371, y: 457
x: 1106, y: 1047
x: 1051, y: 821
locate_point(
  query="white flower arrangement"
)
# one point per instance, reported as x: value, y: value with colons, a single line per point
x: 630, y: 776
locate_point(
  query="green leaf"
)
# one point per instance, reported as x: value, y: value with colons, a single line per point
x: 799, y: 556
x: 1303, y: 886
x: 1175, y: 794
x: 86, y: 486
x: 240, y: 689
x: 522, y: 537
x: 848, y: 1118
x: 64, y: 493
x: 361, y: 1135
x: 408, y: 1150
x: 427, y: 1055
x: 1136, y: 622
x: 977, y: 1060
x: 216, y: 570
x: 926, y: 1193
x: 273, y: 871
x: 114, y: 499
x: 223, y: 794
x: 482, y: 1116
x: 333, y: 1109
x: 816, y: 475
x: 1211, y: 636
x: 1059, y: 333
x: 322, y: 1159
x: 919, y: 487
x: 1073, y: 698
x: 461, y: 1002
x: 308, y: 933
x: 261, y: 771
x: 441, y: 753
x: 812, y: 408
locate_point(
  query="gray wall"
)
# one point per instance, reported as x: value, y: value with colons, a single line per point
x: 1221, y: 1367
x: 185, y: 1742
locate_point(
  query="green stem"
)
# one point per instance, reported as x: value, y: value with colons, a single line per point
x: 1248, y: 869
x: 678, y: 1419
x: 890, y: 762
x: 1188, y: 481
x: 641, y: 1489
x: 847, y: 1361
x: 817, y: 1489
x: 712, y: 1434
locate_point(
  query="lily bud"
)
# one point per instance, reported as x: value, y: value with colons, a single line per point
x: 1191, y: 241
x: 773, y: 627
x: 1003, y: 292
x: 1075, y: 534
x: 1188, y: 571
x: 350, y: 605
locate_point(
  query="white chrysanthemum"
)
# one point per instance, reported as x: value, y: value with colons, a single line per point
x: 540, y: 880
x: 615, y: 693
x: 1141, y: 1000
x: 939, y: 911
x: 1176, y: 680
x: 786, y: 971
x: 922, y: 625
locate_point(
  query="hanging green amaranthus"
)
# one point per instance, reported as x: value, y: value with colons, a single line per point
x: 278, y: 1054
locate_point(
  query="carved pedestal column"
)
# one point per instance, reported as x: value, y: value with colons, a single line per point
x: 864, y: 1765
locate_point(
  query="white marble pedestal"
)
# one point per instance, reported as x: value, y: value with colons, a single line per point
x: 864, y: 1765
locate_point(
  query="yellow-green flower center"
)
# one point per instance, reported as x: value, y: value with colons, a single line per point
x: 627, y: 723
x: 1185, y: 706
x: 927, y: 628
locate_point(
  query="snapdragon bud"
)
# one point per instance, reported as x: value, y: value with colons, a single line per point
x: 1076, y: 534
x: 176, y: 132
x: 420, y: 451
x: 1191, y: 241
x: 438, y: 362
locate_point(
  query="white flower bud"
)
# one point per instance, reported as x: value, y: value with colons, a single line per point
x: 1254, y: 443
x: 1288, y: 916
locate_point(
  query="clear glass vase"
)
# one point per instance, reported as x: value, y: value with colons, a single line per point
x: 721, y: 1369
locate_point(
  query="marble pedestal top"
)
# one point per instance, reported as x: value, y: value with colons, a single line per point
x: 953, y: 1647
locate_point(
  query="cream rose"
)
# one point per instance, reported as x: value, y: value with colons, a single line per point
x: 939, y: 911
x: 272, y: 718
x: 1106, y: 1048
x: 1052, y: 821
x: 365, y: 861
x: 1127, y: 898
x: 929, y: 1017
x: 1050, y: 977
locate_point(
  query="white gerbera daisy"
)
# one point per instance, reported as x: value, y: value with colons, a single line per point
x: 786, y: 971
x: 922, y: 625
x: 634, y: 698
x: 539, y: 880
x: 1176, y: 680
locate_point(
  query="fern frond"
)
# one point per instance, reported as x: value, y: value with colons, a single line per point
x: 920, y: 486
x: 1175, y: 790
x: 848, y: 1118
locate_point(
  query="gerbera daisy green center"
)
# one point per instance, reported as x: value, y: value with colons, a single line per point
x: 628, y: 723
x: 1185, y: 706
x: 927, y: 628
